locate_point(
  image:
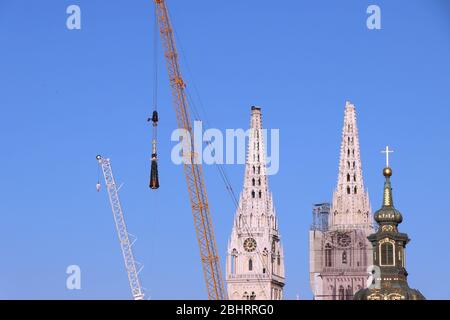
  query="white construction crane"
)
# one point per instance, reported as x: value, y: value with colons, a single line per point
x: 124, y: 236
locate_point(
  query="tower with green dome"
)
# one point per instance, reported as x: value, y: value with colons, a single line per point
x: 389, y: 275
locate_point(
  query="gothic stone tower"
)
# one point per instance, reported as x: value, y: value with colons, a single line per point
x: 340, y: 253
x: 255, y: 260
x: 389, y: 253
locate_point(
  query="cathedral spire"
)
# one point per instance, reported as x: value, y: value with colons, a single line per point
x: 339, y: 250
x: 255, y: 260
x: 351, y: 205
x: 350, y: 168
x: 256, y: 185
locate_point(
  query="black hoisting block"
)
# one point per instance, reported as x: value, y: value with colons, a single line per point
x: 154, y: 181
x: 155, y: 118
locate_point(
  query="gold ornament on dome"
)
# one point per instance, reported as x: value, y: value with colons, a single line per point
x: 395, y: 296
x: 387, y: 197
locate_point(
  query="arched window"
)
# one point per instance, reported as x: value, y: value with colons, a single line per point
x: 354, y: 177
x: 400, y: 257
x: 233, y: 261
x: 259, y: 181
x: 348, y: 190
x: 341, y: 293
x: 348, y: 177
x: 253, y: 182
x: 344, y: 257
x: 348, y: 164
x: 348, y: 152
x: 260, y: 194
x: 259, y: 170
x: 387, y: 254
x: 265, y: 260
x: 354, y: 164
x: 250, y: 265
x: 356, y: 190
x: 254, y: 169
x: 328, y: 255
x: 253, y: 194
x: 362, y: 254
x: 348, y: 293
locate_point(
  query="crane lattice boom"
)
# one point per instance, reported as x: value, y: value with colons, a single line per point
x: 124, y: 239
x: 193, y: 171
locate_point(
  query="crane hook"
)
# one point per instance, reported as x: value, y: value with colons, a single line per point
x: 98, y: 185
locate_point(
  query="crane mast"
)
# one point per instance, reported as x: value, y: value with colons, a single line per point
x: 124, y: 239
x: 192, y: 170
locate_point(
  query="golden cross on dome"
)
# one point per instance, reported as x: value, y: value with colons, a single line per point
x: 387, y: 151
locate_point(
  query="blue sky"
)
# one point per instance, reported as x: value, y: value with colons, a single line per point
x: 67, y: 96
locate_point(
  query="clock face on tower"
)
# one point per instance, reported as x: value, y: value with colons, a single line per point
x: 249, y: 244
x: 344, y: 240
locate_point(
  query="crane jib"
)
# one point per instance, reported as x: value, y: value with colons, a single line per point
x: 193, y: 172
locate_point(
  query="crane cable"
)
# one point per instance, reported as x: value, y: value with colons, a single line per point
x: 155, y: 61
x: 98, y: 185
x: 154, y: 176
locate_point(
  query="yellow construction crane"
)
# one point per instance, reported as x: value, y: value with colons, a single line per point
x: 193, y: 171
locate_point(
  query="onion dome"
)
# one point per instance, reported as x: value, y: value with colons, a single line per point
x: 388, y: 214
